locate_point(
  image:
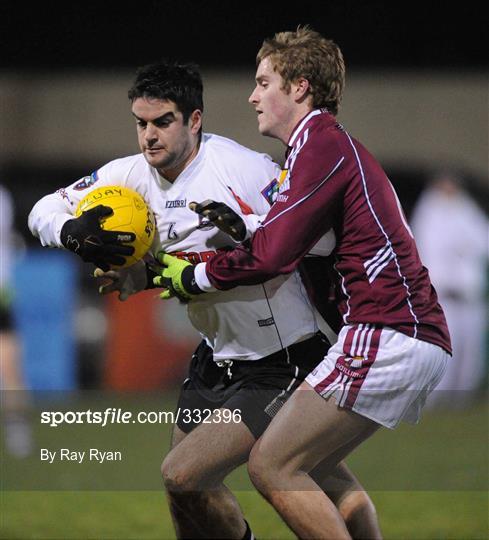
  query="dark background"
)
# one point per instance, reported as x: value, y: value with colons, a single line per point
x: 57, y: 37
x: 110, y: 35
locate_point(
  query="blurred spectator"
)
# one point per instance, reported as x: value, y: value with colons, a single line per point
x: 451, y: 232
x: 15, y: 402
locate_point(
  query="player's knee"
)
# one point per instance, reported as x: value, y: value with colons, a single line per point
x: 261, y: 470
x: 357, y: 506
x: 177, y: 475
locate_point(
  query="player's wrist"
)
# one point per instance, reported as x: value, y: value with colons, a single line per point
x: 201, y: 278
x: 150, y: 275
x: 69, y: 235
x: 188, y: 281
x: 251, y: 222
x: 177, y: 277
x: 58, y: 222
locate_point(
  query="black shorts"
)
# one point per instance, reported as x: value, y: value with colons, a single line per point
x: 255, y: 390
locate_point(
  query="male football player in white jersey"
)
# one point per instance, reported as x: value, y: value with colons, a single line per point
x: 394, y: 345
x: 255, y: 351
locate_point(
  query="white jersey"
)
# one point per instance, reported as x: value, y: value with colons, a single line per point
x: 246, y: 323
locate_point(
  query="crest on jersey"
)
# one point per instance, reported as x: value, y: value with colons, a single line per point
x: 276, y: 186
x: 86, y: 181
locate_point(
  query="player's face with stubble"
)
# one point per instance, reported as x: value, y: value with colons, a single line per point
x: 273, y: 104
x: 165, y: 140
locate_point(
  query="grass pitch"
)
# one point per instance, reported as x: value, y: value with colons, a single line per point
x: 428, y: 482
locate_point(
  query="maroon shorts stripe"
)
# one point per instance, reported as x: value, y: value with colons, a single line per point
x: 349, y: 340
x: 371, y: 354
x: 336, y: 373
x: 320, y: 386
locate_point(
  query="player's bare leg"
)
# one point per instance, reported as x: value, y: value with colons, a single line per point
x: 341, y: 486
x: 352, y: 501
x: 291, y: 448
x: 201, y: 506
x: 184, y: 525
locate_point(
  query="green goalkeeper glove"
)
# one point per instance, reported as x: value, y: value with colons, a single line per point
x: 178, y: 278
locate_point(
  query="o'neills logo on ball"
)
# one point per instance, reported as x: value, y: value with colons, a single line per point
x: 149, y: 227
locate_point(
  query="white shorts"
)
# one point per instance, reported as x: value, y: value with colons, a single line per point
x: 379, y: 373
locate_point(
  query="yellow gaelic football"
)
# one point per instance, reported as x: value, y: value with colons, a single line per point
x: 131, y: 214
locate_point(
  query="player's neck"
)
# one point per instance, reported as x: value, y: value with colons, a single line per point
x: 299, y: 114
x: 173, y: 173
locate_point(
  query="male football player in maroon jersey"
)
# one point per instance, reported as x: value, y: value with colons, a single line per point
x: 394, y: 344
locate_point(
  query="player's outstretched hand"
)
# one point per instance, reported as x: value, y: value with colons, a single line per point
x: 222, y: 216
x: 177, y: 277
x: 125, y: 281
x: 85, y: 237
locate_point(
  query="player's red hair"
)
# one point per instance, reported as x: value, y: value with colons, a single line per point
x: 306, y: 53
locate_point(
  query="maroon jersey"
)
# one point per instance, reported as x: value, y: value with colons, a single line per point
x: 331, y: 181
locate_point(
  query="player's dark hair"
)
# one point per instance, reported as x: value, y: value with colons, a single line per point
x: 180, y: 83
